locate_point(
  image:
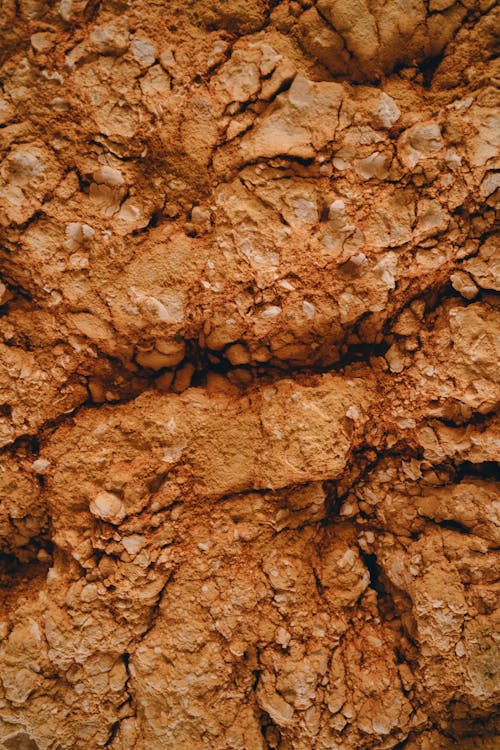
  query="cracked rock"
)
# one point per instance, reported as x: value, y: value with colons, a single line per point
x: 249, y: 375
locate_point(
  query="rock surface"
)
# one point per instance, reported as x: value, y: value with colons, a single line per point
x: 248, y: 375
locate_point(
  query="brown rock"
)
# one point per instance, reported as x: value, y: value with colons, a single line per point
x: 248, y: 375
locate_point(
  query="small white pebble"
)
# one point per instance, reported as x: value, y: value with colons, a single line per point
x: 283, y: 637
x: 336, y: 209
x: 452, y: 158
x: 40, y: 465
x: 271, y: 312
x: 200, y: 215
x: 89, y: 593
x: 387, y: 110
x: 143, y: 51
x: 353, y: 412
x: 406, y: 424
x: 108, y: 507
x: 133, y: 544
x: 358, y: 260
x: 464, y: 285
x: 309, y: 309
x: 108, y: 176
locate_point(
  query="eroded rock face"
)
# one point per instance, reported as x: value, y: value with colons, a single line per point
x: 248, y: 375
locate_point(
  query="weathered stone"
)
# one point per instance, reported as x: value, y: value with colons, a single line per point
x: 248, y: 375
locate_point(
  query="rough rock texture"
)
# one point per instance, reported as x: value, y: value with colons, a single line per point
x: 248, y: 374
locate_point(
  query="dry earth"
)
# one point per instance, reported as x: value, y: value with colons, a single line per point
x: 249, y: 374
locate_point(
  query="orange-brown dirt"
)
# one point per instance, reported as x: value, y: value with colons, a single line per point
x: 249, y: 374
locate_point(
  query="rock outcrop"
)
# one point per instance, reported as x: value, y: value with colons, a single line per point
x: 249, y: 375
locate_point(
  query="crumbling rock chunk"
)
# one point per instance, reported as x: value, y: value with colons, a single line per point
x: 248, y: 375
